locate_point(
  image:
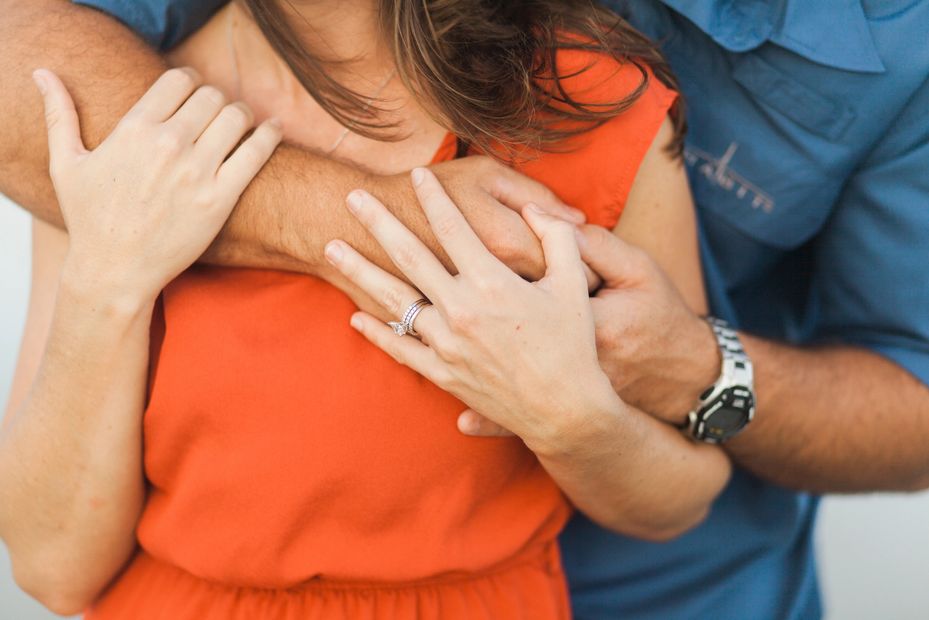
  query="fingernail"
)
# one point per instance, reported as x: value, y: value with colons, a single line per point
x: 535, y: 208
x: 334, y: 252
x: 418, y: 175
x: 275, y: 122
x: 355, y: 200
x: 356, y: 322
x: 40, y: 82
x: 467, y: 424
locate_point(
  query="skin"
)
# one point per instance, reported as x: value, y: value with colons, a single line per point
x: 621, y: 467
x: 68, y: 586
x: 107, y: 69
x: 829, y: 419
x: 140, y: 209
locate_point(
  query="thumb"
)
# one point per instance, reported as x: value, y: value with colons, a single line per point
x: 559, y: 245
x: 472, y: 423
x: 614, y: 260
x: 64, y: 131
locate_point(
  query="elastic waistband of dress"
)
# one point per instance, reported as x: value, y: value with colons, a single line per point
x: 545, y: 556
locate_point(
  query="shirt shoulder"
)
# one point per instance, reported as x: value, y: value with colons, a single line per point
x: 161, y: 23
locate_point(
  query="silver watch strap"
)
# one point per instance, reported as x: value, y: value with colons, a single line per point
x: 736, y: 371
x: 736, y: 366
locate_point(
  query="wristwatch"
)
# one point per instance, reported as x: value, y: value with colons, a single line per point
x: 726, y: 407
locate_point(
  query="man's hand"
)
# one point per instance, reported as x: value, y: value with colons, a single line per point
x: 659, y: 355
x: 490, y: 196
x: 480, y: 186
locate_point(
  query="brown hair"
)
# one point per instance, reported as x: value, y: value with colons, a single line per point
x: 485, y: 69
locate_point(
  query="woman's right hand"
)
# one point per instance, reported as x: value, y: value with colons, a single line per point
x: 146, y: 203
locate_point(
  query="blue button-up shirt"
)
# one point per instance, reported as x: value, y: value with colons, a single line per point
x: 808, y: 155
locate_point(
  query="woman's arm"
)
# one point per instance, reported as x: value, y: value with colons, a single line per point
x: 634, y: 473
x: 71, y: 484
x: 659, y: 220
x: 139, y: 210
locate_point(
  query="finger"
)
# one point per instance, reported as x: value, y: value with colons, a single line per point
x: 242, y: 166
x: 224, y: 133
x: 407, y: 351
x: 472, y: 423
x: 392, y: 293
x: 516, y: 191
x: 450, y: 227
x: 562, y: 258
x: 166, y: 95
x: 198, y: 112
x: 405, y: 249
x: 614, y: 260
x: 64, y: 130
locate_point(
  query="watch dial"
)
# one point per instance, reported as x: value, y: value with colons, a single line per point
x: 731, y: 414
x: 727, y: 419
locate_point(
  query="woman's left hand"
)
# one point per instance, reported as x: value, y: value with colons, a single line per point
x: 521, y: 354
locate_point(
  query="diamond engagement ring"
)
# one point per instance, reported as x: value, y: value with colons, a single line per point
x: 405, y: 325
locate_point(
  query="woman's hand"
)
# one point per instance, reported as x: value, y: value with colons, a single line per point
x: 146, y: 203
x: 522, y: 354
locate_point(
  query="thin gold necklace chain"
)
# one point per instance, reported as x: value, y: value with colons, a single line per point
x: 230, y: 25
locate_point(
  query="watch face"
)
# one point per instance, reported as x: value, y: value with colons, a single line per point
x: 732, y: 411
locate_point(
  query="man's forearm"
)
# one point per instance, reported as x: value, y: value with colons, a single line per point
x: 836, y: 419
x: 284, y: 219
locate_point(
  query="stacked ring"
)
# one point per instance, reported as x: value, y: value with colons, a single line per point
x: 405, y: 325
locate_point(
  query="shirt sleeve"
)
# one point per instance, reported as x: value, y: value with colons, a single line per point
x: 871, y: 265
x: 161, y: 23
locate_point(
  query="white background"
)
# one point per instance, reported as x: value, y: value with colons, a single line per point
x: 873, y: 550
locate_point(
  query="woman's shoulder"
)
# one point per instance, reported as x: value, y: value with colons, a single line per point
x: 595, y: 170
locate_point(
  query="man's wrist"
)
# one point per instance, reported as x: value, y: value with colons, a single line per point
x: 705, y: 366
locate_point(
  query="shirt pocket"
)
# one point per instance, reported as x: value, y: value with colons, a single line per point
x: 765, y: 150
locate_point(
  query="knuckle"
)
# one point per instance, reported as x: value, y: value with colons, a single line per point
x: 203, y: 200
x: 461, y: 318
x: 445, y: 348
x: 488, y: 164
x: 251, y: 156
x: 212, y: 94
x: 52, y: 117
x: 131, y: 123
x: 237, y: 115
x: 489, y: 286
x: 446, y: 226
x: 392, y: 300
x: 405, y: 257
x: 181, y: 77
x: 561, y: 228
x: 169, y: 141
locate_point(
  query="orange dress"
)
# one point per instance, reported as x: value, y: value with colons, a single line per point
x: 296, y: 471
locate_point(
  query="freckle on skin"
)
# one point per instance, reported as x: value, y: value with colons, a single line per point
x: 96, y: 503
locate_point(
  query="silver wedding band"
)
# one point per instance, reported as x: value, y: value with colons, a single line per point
x: 405, y: 325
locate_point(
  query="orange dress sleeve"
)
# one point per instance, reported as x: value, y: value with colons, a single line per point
x: 596, y: 170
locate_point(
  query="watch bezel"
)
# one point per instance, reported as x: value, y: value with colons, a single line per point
x: 702, y: 419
